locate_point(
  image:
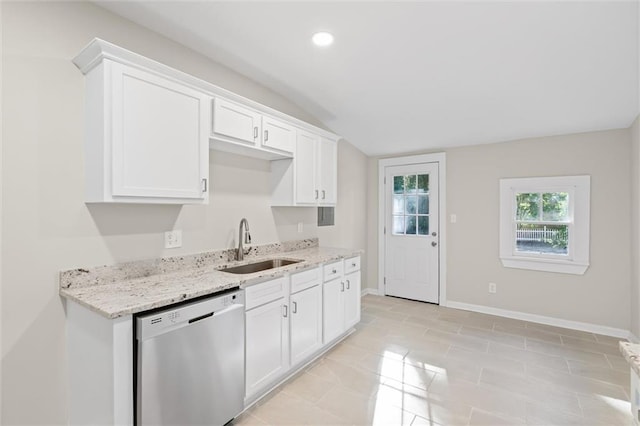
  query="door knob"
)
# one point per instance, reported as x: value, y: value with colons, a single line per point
x: 434, y: 234
x: 433, y: 243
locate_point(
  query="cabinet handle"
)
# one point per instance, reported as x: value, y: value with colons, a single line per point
x: 348, y: 285
x: 353, y: 265
x: 333, y: 271
x: 316, y: 194
x: 266, y: 135
x: 255, y: 132
x: 323, y: 194
x: 295, y: 308
x: 342, y: 286
x: 204, y: 185
x: 286, y: 311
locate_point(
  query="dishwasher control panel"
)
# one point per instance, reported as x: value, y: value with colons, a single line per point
x: 151, y: 325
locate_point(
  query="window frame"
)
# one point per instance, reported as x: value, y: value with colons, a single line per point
x: 576, y: 261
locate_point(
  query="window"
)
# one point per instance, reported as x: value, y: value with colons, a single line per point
x: 411, y: 205
x: 544, y: 223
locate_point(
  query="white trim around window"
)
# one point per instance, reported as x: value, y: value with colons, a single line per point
x: 576, y: 260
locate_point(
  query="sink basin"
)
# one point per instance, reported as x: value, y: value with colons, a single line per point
x: 259, y: 266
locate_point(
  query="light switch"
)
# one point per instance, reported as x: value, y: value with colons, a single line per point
x: 454, y: 218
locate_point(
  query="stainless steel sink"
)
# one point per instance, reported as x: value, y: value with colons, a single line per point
x: 259, y: 266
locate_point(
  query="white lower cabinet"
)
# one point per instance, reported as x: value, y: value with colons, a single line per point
x: 266, y: 334
x: 290, y: 320
x: 333, y: 309
x: 351, y: 299
x: 341, y: 297
x: 306, y: 323
x: 266, y: 345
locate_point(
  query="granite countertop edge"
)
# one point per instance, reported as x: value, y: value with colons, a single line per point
x: 130, y: 296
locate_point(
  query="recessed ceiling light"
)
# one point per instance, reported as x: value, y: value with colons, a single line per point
x: 322, y: 39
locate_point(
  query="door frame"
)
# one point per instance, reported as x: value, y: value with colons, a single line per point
x: 383, y: 163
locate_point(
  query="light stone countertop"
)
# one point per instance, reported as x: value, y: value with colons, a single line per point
x: 118, y: 290
x: 631, y: 352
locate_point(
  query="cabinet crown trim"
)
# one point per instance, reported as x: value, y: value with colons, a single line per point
x: 98, y: 50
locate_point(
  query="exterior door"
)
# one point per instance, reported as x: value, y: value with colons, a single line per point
x: 412, y: 247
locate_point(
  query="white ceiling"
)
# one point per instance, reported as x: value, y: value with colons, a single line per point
x: 412, y: 76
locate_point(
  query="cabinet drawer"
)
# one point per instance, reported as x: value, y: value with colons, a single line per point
x: 333, y: 270
x: 352, y: 264
x: 262, y: 293
x: 306, y: 279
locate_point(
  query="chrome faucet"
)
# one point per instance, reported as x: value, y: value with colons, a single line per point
x: 247, y: 238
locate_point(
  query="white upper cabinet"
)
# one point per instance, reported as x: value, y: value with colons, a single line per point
x: 149, y: 128
x: 327, y: 172
x: 236, y: 122
x: 278, y: 135
x: 245, y: 131
x: 146, y: 137
x: 310, y: 179
x: 304, y: 165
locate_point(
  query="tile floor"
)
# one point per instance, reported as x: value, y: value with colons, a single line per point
x: 413, y: 363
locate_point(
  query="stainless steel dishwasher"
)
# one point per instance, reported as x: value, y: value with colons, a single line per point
x: 190, y: 363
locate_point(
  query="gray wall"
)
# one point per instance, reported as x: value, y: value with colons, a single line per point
x: 46, y: 227
x: 601, y: 295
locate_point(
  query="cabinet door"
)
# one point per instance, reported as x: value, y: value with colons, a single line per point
x: 352, y: 299
x: 266, y: 345
x: 328, y: 172
x: 332, y: 309
x: 159, y: 136
x: 305, y: 322
x: 235, y: 121
x: 305, y: 169
x: 278, y: 135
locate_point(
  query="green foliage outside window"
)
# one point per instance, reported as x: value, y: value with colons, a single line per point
x: 545, y: 207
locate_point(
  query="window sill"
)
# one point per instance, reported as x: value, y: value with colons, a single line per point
x: 548, y: 265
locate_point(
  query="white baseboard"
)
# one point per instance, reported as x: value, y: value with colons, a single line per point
x: 368, y: 290
x: 633, y: 338
x: 541, y: 319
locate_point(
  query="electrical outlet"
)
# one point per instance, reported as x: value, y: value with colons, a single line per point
x: 492, y: 288
x: 173, y: 239
x: 300, y: 227
x: 454, y: 218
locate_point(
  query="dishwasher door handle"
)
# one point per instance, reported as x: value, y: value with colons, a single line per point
x: 201, y: 317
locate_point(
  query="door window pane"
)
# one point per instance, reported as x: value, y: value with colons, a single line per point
x: 423, y: 204
x: 398, y: 224
x: 398, y: 184
x: 410, y: 183
x: 423, y: 225
x: 410, y: 204
x: 410, y: 225
x: 398, y: 204
x: 423, y: 183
